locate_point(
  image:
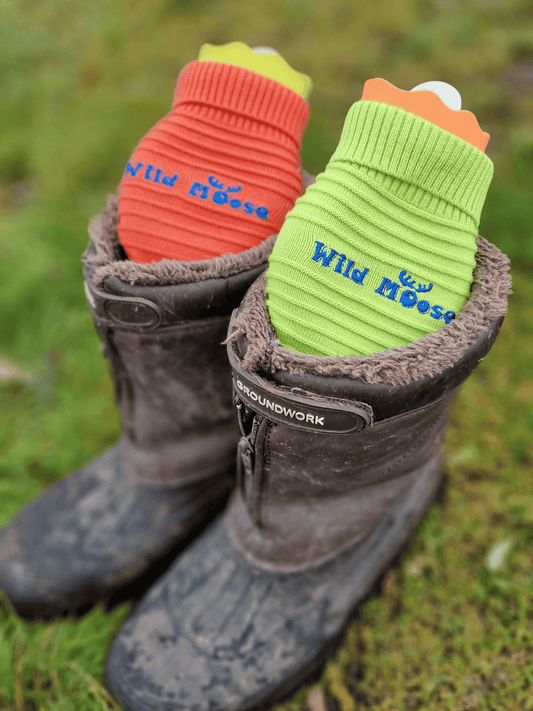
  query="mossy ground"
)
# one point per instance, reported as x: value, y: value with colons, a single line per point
x: 80, y: 83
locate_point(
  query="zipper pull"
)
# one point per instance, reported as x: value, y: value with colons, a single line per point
x: 245, y: 452
x: 246, y: 460
x: 240, y: 414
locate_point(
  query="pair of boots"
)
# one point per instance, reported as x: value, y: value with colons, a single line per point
x: 337, y: 460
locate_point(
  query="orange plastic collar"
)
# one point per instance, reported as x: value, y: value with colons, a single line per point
x: 428, y: 106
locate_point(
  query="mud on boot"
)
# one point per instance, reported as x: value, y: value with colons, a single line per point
x: 339, y: 459
x: 109, y: 529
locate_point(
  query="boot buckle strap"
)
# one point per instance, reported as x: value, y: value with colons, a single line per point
x: 327, y: 415
x: 132, y: 312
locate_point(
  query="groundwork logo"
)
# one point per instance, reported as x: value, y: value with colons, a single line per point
x: 280, y: 409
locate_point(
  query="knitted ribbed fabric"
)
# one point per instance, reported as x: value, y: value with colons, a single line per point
x: 219, y: 173
x: 381, y: 249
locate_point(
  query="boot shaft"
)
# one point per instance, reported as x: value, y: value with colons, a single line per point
x: 169, y: 367
x: 324, y: 456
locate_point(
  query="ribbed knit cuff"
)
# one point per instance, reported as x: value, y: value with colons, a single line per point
x: 412, y: 149
x: 244, y: 92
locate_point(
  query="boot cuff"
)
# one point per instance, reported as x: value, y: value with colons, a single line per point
x: 108, y: 256
x: 426, y: 356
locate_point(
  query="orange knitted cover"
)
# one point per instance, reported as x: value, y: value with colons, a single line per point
x: 219, y: 173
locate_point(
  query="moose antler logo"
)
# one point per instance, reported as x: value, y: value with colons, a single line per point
x: 219, y: 185
x: 407, y: 280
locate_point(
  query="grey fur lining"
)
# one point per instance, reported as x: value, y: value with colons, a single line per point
x: 425, y: 356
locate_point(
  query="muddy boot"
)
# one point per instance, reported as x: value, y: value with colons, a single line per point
x: 339, y: 459
x: 106, y: 532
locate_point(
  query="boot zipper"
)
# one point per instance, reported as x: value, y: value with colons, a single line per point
x: 246, y: 448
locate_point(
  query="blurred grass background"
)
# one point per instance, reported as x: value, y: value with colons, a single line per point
x: 80, y: 84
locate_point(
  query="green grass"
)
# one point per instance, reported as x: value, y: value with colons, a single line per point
x: 80, y: 83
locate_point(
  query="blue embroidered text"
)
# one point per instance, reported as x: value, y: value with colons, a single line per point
x: 148, y: 174
x: 222, y: 197
x: 409, y: 298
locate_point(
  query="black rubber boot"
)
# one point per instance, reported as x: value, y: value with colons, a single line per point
x: 107, y: 531
x: 339, y: 459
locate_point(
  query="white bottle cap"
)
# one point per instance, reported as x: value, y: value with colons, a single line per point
x: 264, y: 50
x: 447, y: 93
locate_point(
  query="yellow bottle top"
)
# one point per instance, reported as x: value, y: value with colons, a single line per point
x: 266, y: 62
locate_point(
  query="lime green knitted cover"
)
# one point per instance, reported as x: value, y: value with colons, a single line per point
x: 381, y: 249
